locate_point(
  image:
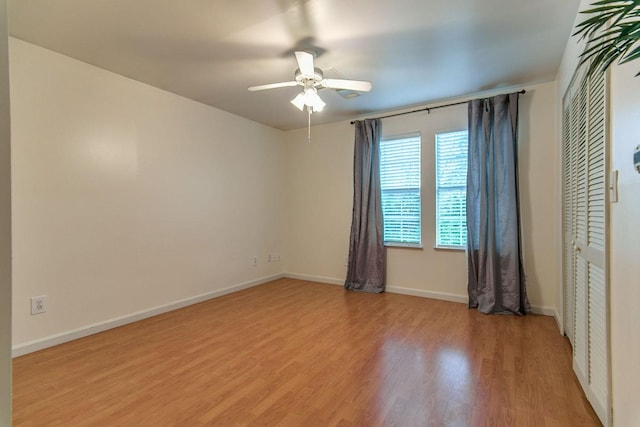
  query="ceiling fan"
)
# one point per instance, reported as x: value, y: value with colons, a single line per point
x: 312, y: 79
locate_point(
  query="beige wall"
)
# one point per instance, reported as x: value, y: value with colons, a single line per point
x: 539, y: 199
x: 128, y: 198
x: 625, y: 246
x: 5, y: 227
x: 319, y: 203
x: 318, y: 200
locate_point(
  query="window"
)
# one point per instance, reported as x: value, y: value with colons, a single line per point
x: 451, y: 189
x: 400, y: 185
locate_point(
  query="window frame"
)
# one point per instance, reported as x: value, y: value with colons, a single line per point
x: 398, y: 244
x: 437, y: 189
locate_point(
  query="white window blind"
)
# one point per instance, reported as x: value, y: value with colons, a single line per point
x: 451, y: 189
x: 400, y: 185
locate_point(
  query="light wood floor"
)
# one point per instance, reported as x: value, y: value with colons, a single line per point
x: 293, y: 353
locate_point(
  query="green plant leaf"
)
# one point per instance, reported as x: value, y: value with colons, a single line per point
x: 612, y: 33
x: 631, y: 56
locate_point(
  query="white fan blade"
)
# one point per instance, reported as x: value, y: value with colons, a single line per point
x: 305, y: 63
x: 358, y: 85
x: 273, y: 86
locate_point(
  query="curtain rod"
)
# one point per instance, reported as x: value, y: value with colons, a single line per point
x: 428, y: 109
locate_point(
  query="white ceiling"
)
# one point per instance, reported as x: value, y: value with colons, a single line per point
x: 414, y: 51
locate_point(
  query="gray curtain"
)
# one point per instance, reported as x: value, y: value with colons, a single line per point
x: 365, y: 271
x: 496, y: 279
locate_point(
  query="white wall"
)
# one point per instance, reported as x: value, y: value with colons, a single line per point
x: 5, y: 227
x: 127, y: 198
x: 319, y: 203
x: 625, y: 246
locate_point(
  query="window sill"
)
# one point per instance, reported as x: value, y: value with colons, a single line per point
x: 450, y: 248
x: 402, y: 245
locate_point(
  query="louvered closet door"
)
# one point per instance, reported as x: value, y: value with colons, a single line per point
x: 567, y: 221
x: 594, y: 250
x: 580, y: 332
x: 584, y: 231
x: 571, y: 126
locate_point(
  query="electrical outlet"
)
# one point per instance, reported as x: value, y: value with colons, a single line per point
x: 38, y: 304
x: 254, y: 261
x: 270, y: 258
x: 275, y: 258
x: 346, y: 260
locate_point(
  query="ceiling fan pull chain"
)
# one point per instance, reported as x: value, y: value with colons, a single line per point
x: 309, y: 124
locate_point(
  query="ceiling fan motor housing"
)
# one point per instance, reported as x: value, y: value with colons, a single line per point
x: 309, y: 80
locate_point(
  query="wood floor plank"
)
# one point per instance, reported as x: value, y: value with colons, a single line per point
x: 295, y: 353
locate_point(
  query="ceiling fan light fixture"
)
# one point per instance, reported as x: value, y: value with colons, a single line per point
x: 317, y: 109
x: 310, y: 95
x: 312, y: 99
x: 318, y: 105
x: 298, y: 101
x: 309, y: 98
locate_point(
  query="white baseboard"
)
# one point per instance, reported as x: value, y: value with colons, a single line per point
x: 427, y: 294
x: 50, y: 341
x: 390, y: 289
x: 310, y: 278
x: 546, y: 311
x: 556, y: 316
